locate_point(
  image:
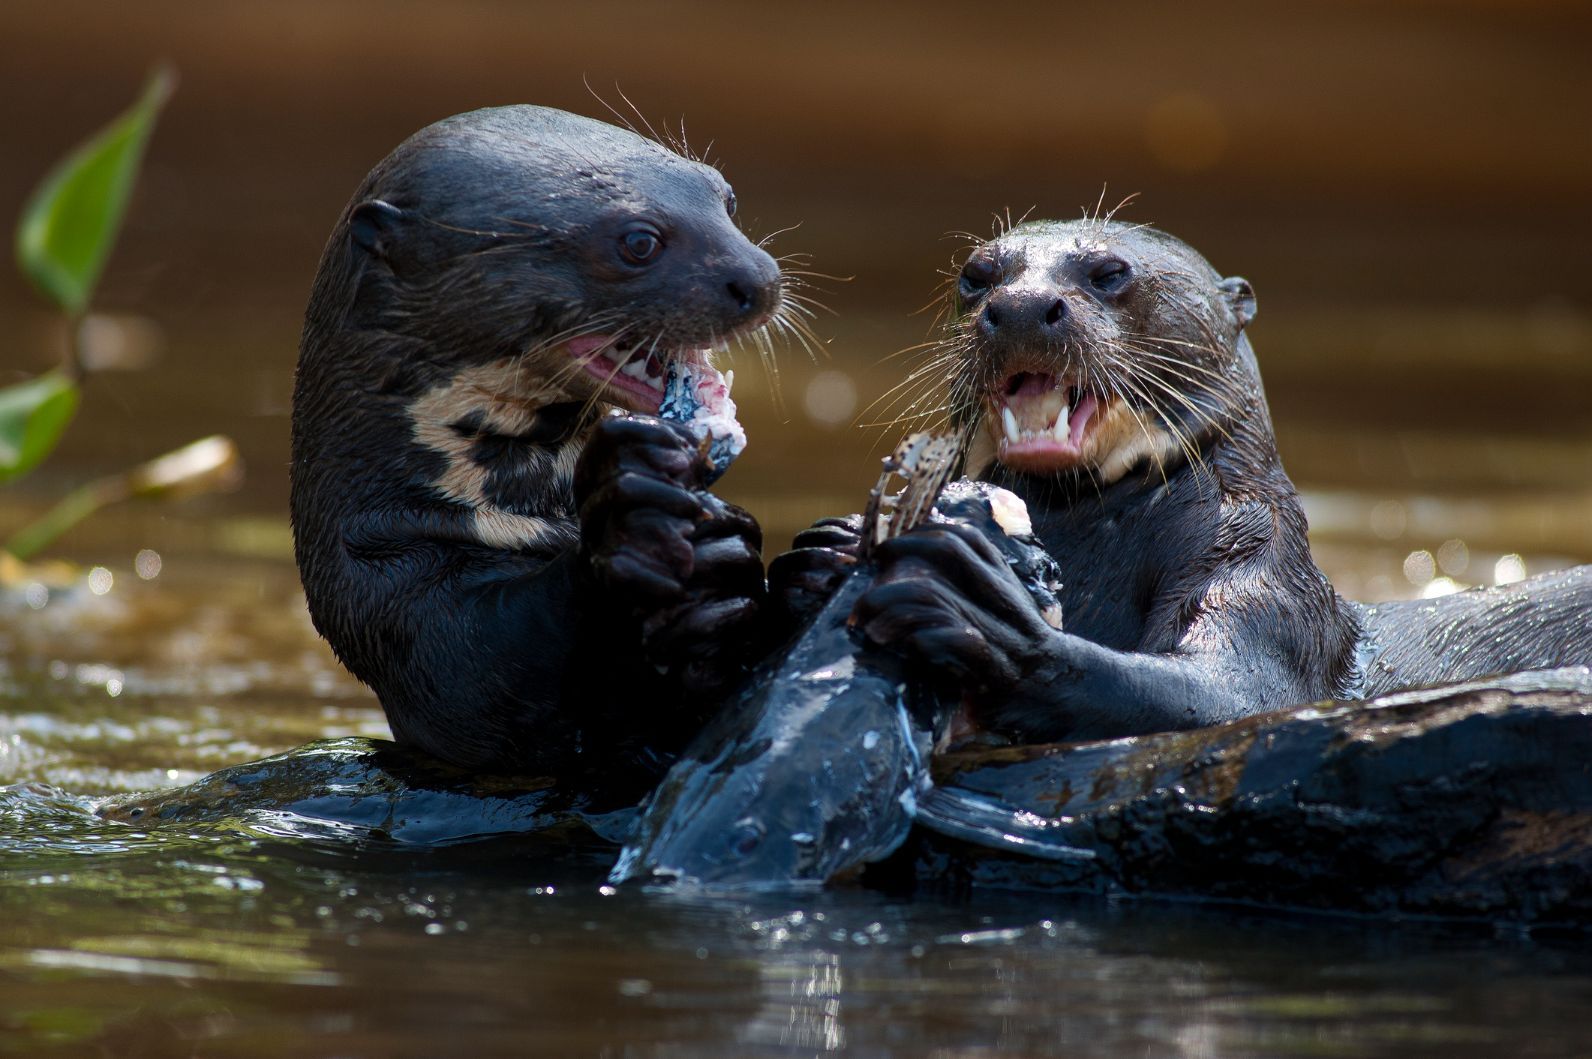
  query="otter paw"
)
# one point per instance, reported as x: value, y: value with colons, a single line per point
x: 945, y: 598
x: 640, y: 444
x: 800, y: 580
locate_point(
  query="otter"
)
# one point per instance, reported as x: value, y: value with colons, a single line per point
x: 1102, y: 372
x: 530, y: 580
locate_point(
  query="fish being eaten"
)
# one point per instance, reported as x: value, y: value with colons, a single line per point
x: 699, y: 397
x: 817, y: 767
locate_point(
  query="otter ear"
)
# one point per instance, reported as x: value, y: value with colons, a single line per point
x: 373, y: 226
x: 1240, y: 299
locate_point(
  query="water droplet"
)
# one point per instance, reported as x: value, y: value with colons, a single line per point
x: 100, y: 580
x: 1509, y: 569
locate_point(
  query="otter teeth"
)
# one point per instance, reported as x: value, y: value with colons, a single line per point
x: 637, y: 369
x: 1060, y: 430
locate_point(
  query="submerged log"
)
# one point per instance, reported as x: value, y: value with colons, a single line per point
x: 1470, y: 800
x: 372, y: 791
x: 1473, y: 800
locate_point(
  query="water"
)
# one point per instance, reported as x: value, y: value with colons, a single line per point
x: 220, y: 940
x: 217, y: 946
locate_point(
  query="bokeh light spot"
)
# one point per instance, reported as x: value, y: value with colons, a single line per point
x: 1509, y: 569
x: 1453, y: 556
x: 147, y: 563
x: 1388, y: 520
x: 830, y: 399
x: 1419, y: 567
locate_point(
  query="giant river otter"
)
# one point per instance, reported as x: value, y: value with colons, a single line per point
x: 1100, y: 370
x: 507, y: 566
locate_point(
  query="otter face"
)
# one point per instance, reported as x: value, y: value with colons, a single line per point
x: 588, y: 256
x: 1091, y: 346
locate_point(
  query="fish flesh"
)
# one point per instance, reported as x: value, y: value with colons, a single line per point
x: 698, y: 397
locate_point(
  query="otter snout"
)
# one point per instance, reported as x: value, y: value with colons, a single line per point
x: 751, y: 289
x: 1023, y: 315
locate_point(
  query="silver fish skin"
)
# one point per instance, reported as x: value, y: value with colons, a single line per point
x: 818, y: 767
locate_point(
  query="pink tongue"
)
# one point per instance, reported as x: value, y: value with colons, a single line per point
x: 1080, y: 417
x: 586, y: 344
x: 1035, y: 384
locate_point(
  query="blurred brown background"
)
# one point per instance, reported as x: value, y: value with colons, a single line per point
x: 1406, y: 185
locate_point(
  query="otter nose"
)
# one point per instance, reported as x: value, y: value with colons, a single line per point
x: 1019, y: 314
x: 752, y: 287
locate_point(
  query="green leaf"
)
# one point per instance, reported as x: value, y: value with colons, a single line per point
x: 70, y: 224
x: 33, y: 415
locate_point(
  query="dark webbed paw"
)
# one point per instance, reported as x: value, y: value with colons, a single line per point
x: 685, y: 563
x: 634, y: 496
x: 945, y: 598
x: 800, y: 580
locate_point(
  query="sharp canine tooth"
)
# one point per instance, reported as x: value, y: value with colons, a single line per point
x: 729, y: 380
x: 1063, y: 428
x: 1009, y: 421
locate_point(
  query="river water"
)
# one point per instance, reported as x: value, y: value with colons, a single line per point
x: 226, y: 941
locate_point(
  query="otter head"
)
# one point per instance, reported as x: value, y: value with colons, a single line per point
x: 1093, y: 347
x: 559, y: 251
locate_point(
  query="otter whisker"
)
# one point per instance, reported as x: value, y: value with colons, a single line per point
x: 917, y: 348
x: 763, y: 242
x: 1128, y: 387
x: 1196, y: 375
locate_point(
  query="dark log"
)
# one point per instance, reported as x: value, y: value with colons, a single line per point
x: 375, y: 792
x: 1470, y: 800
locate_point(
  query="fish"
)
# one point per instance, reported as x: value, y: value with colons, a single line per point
x: 817, y: 767
x: 698, y: 397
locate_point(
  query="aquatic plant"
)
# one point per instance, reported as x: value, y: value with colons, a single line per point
x: 64, y: 237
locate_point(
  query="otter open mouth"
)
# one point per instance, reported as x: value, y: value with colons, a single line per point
x: 1042, y: 422
x: 633, y: 373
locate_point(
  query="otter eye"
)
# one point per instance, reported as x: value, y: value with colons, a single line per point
x: 640, y: 245
x: 978, y: 276
x: 1109, y: 275
x: 729, y: 202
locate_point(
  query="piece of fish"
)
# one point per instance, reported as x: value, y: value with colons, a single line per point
x: 699, y: 397
x: 817, y: 767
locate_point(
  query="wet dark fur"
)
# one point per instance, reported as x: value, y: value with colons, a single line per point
x: 437, y: 426
x: 1190, y: 596
x: 1187, y: 600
